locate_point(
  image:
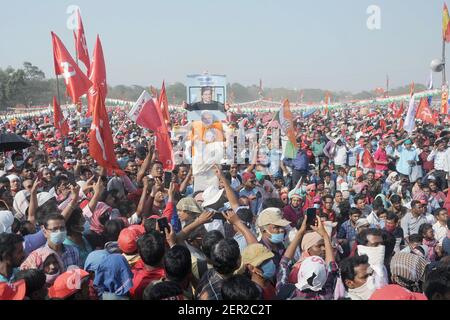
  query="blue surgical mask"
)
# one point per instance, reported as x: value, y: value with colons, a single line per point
x: 58, y: 237
x: 276, y: 237
x: 268, y: 270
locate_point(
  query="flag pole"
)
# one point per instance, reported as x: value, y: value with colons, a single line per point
x: 57, y: 89
x: 444, y: 78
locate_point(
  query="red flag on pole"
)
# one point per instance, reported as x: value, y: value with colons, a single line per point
x: 147, y: 114
x: 101, y: 146
x: 424, y: 112
x: 76, y: 82
x: 367, y: 160
x: 58, y: 119
x: 399, y: 112
x: 444, y: 101
x: 164, y: 104
x: 97, y: 75
x: 80, y: 43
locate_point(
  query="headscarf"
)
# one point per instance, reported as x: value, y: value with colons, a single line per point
x: 96, y: 225
x: 94, y: 259
x: 6, y: 221
x: 21, y: 204
x: 113, y: 275
x: 386, y: 202
x: 37, y: 258
x: 408, y: 269
x: 312, y: 274
x: 309, y: 240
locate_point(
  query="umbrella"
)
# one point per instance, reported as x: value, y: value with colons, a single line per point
x: 11, y: 141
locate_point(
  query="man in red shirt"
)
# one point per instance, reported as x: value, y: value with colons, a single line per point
x: 381, y: 159
x: 151, y: 248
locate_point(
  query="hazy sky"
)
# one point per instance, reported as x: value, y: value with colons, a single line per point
x: 292, y: 43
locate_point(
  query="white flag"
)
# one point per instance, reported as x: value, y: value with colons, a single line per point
x: 410, y: 121
x: 139, y: 104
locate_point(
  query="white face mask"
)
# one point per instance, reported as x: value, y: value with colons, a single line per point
x: 365, y: 291
x: 375, y: 254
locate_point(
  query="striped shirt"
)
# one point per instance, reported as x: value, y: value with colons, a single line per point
x: 439, y: 159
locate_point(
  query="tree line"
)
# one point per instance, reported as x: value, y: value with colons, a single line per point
x: 28, y: 86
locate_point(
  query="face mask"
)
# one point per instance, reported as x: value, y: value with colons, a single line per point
x: 365, y: 291
x: 50, y: 278
x: 375, y: 254
x: 259, y: 175
x: 312, y: 193
x: 58, y: 237
x: 316, y: 206
x: 276, y: 237
x: 83, y: 151
x: 268, y: 270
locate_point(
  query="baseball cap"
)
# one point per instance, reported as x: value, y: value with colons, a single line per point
x: 272, y: 216
x: 362, y: 222
x: 13, y: 291
x: 255, y: 254
x: 189, y: 204
x: 396, y: 292
x: 67, y: 283
x: 128, y: 238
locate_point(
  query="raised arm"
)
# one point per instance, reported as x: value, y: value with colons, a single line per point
x: 186, y: 181
x: 99, y: 187
x: 203, y: 218
x: 231, y: 196
x: 234, y: 220
x: 75, y: 196
x: 32, y: 208
x: 320, y: 229
x: 146, y: 164
x: 290, y: 251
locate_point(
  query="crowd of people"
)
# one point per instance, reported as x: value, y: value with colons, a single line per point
x: 359, y: 213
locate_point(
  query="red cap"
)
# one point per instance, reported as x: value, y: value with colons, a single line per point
x: 396, y: 292
x: 378, y: 175
x: 247, y: 176
x: 13, y: 291
x: 128, y: 238
x: 67, y: 283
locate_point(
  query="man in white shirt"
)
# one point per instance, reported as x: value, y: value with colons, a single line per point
x: 439, y: 156
x: 440, y: 227
x: 340, y: 153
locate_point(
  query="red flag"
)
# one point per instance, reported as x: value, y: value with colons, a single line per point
x: 76, y: 82
x: 97, y: 75
x: 401, y: 123
x: 101, y: 146
x: 399, y: 111
x: 147, y: 114
x: 164, y: 104
x: 58, y: 119
x: 444, y: 101
x: 424, y: 112
x: 383, y: 124
x: 367, y: 160
x: 80, y: 43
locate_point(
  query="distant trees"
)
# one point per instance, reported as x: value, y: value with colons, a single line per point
x: 28, y: 86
